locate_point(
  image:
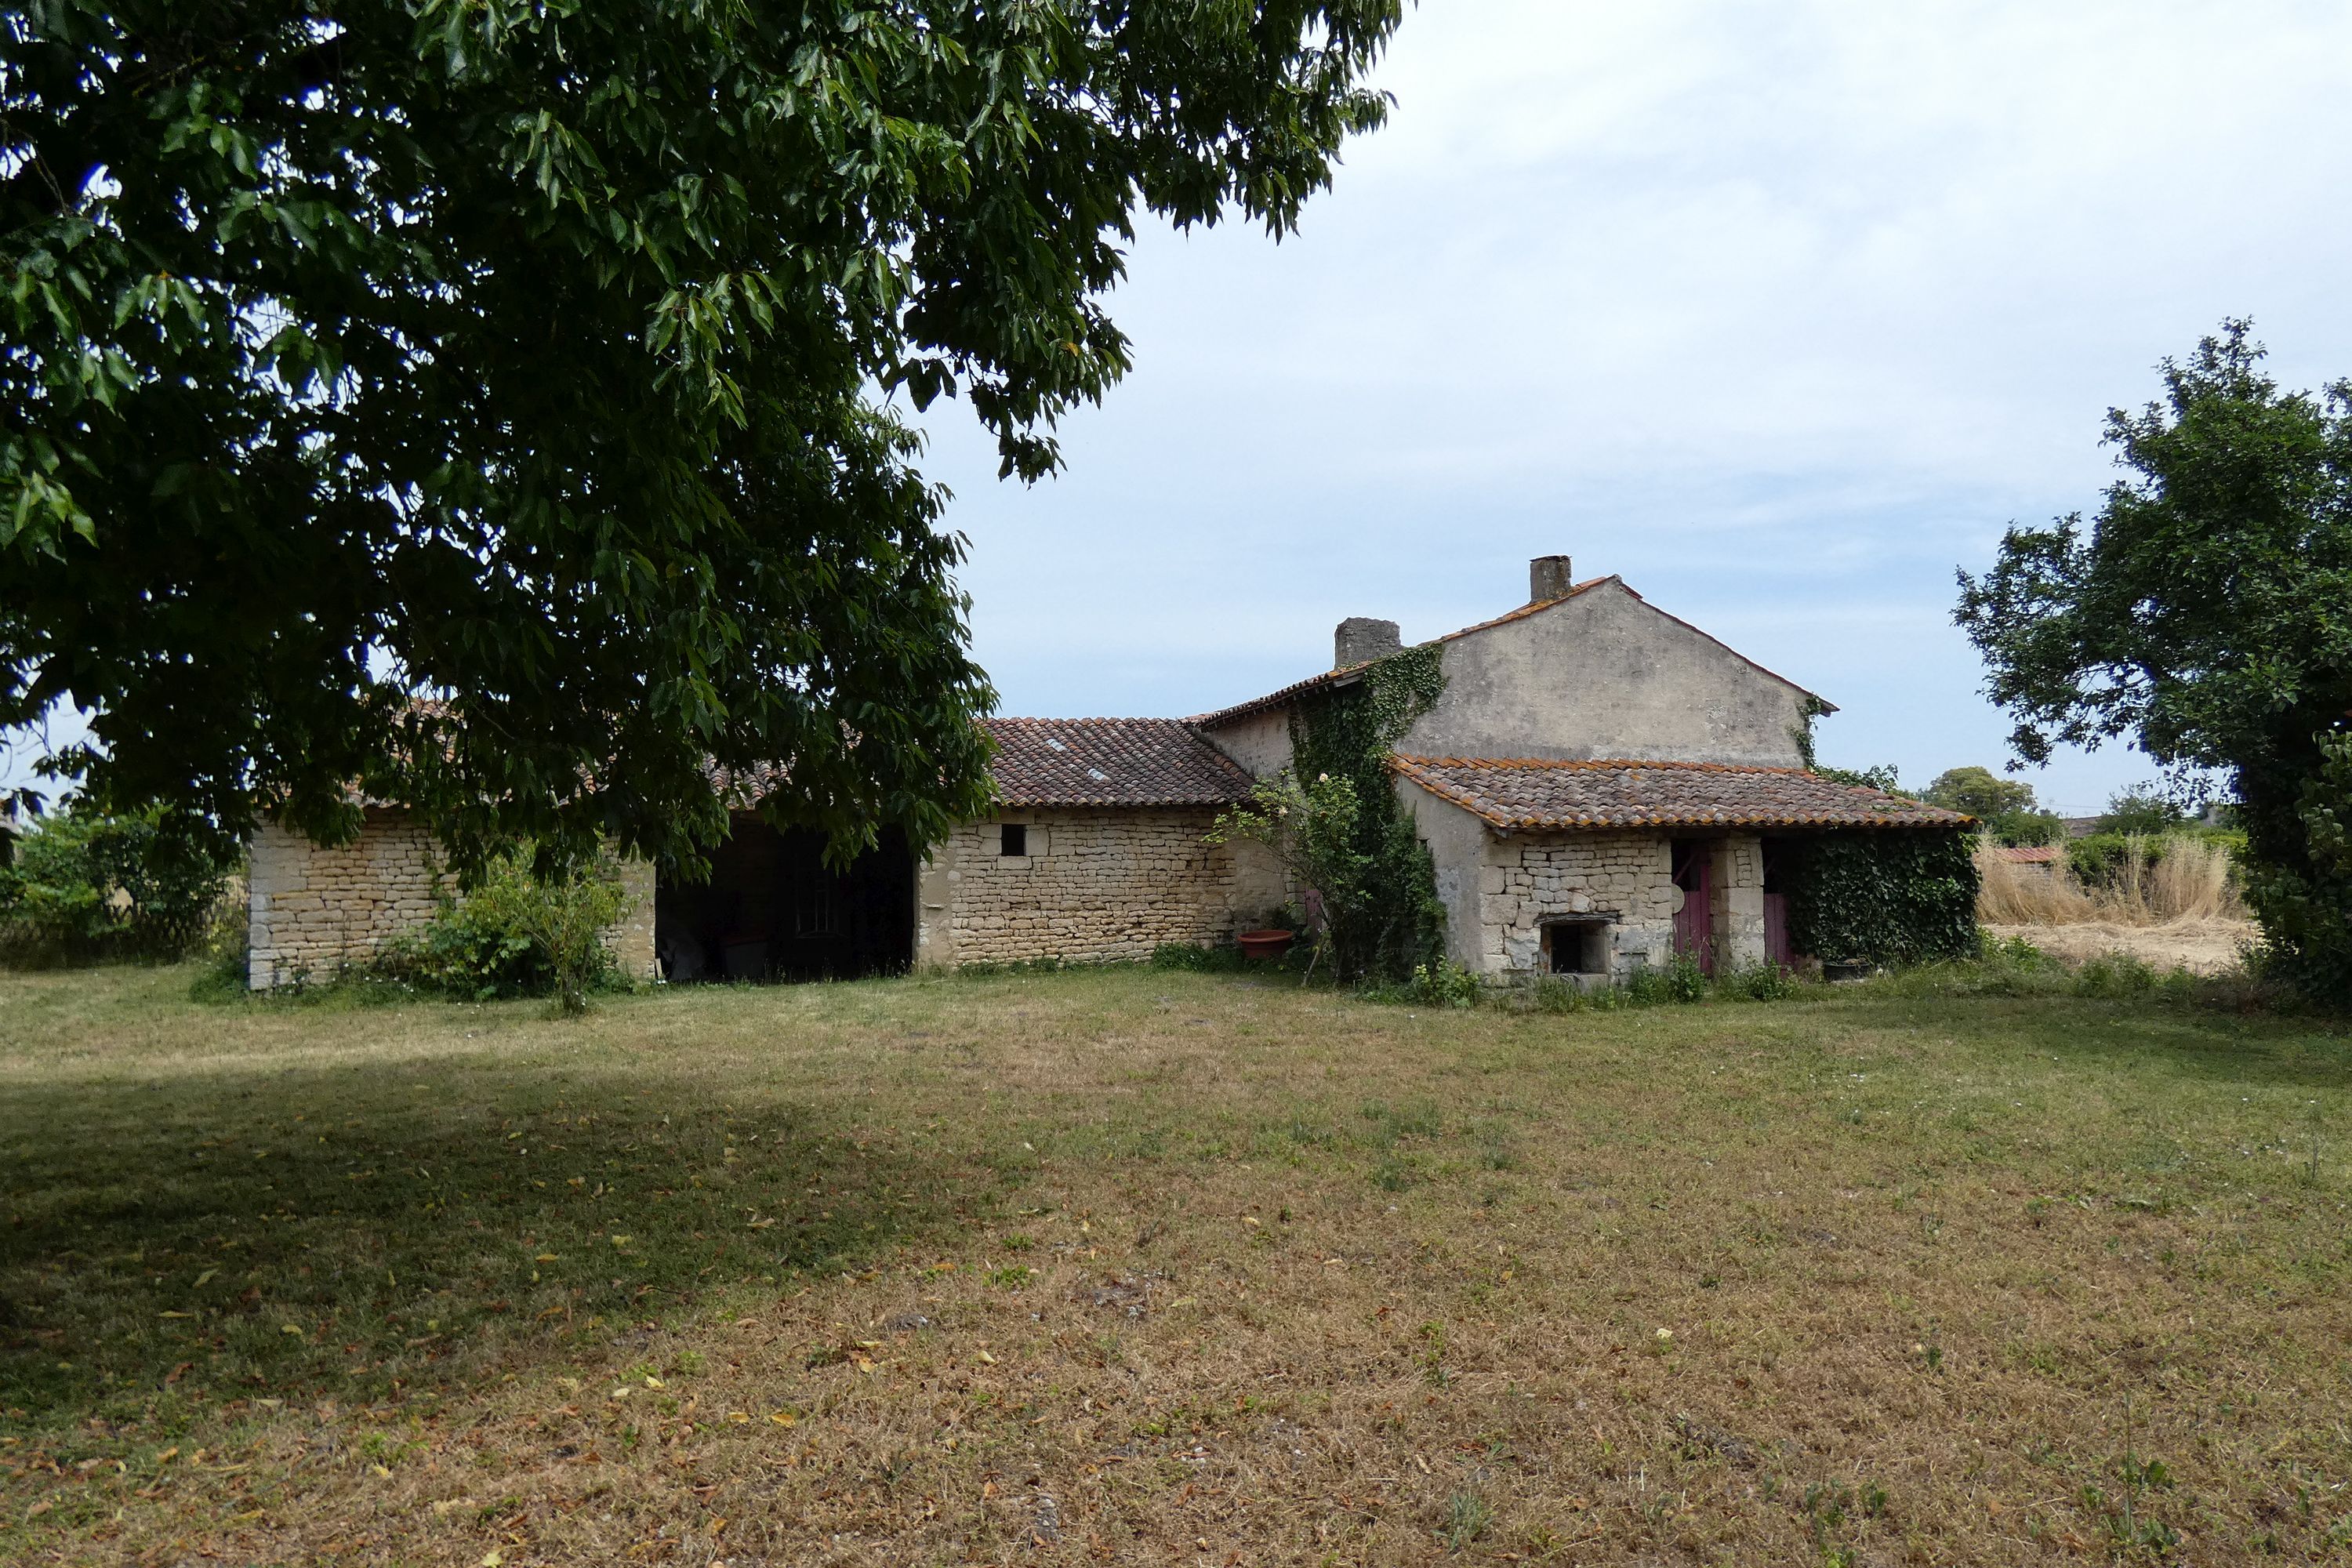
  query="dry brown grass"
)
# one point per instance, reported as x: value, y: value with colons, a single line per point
x: 2190, y: 881
x: 2211, y: 946
x: 1145, y: 1268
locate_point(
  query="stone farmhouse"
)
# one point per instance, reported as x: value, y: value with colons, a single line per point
x: 1600, y: 786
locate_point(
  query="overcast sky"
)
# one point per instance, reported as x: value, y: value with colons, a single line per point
x: 1781, y: 313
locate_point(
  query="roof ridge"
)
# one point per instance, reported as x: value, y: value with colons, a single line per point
x: 1324, y: 676
x: 1602, y: 763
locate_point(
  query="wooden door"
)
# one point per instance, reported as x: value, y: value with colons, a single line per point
x: 1777, y: 950
x: 1694, y: 921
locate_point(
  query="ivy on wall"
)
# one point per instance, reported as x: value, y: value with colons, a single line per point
x: 1347, y: 734
x: 1889, y: 896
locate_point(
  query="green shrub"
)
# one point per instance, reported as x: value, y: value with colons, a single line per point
x: 1442, y: 984
x: 2024, y: 828
x: 82, y: 886
x: 1680, y: 979
x: 516, y: 935
x: 1757, y: 983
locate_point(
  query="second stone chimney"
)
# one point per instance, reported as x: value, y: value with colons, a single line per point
x: 1361, y: 638
x: 1549, y: 578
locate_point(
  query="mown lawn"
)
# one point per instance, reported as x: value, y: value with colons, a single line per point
x: 1129, y: 1265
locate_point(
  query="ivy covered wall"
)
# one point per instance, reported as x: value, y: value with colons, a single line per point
x: 1348, y: 734
x: 1885, y: 896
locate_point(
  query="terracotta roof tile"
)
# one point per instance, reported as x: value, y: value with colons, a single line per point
x: 1110, y: 762
x: 1525, y: 794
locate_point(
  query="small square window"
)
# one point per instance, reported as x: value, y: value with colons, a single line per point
x: 1576, y: 947
x: 1016, y: 840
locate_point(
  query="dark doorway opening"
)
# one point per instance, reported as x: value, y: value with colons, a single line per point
x: 772, y: 910
x: 1780, y: 856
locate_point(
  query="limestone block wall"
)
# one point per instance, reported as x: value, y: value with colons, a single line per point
x: 1737, y: 916
x: 1095, y: 885
x: 1626, y: 879
x: 312, y: 910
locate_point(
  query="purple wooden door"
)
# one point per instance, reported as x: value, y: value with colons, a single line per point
x: 1777, y: 950
x: 1694, y: 931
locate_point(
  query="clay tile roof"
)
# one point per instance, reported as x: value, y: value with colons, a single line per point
x: 2027, y: 854
x: 1110, y: 762
x: 1532, y: 795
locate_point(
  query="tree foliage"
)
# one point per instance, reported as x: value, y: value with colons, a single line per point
x: 2005, y: 807
x: 1978, y: 792
x: 2207, y: 615
x: 522, y: 357
x: 80, y: 885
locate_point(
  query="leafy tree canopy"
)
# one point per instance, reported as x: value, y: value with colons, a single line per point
x: 2141, y: 810
x: 2207, y: 615
x: 2005, y: 808
x: 531, y: 359
x: 1978, y: 792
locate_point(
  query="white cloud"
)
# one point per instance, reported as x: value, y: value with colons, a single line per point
x: 1781, y: 311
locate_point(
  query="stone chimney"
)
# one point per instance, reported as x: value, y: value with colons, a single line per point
x: 1361, y: 638
x: 1549, y: 578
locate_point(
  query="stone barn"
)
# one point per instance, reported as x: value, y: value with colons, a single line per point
x: 1600, y: 784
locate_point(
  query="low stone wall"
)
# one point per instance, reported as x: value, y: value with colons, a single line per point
x: 1095, y: 885
x: 313, y: 911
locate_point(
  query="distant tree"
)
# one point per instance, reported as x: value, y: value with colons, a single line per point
x: 2143, y: 810
x: 1978, y: 792
x: 525, y: 358
x: 2006, y: 807
x: 1881, y: 777
x: 2203, y: 616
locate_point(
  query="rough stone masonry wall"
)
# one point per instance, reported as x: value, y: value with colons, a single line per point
x: 1625, y: 878
x: 1096, y: 885
x: 312, y: 910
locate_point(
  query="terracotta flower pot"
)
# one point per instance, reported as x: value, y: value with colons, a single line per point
x: 1272, y: 943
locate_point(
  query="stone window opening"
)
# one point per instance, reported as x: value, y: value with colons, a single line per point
x: 1576, y: 947
x: 1013, y: 839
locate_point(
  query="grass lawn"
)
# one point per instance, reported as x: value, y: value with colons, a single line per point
x: 1129, y: 1266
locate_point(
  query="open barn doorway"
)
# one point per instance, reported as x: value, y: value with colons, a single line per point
x: 772, y: 910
